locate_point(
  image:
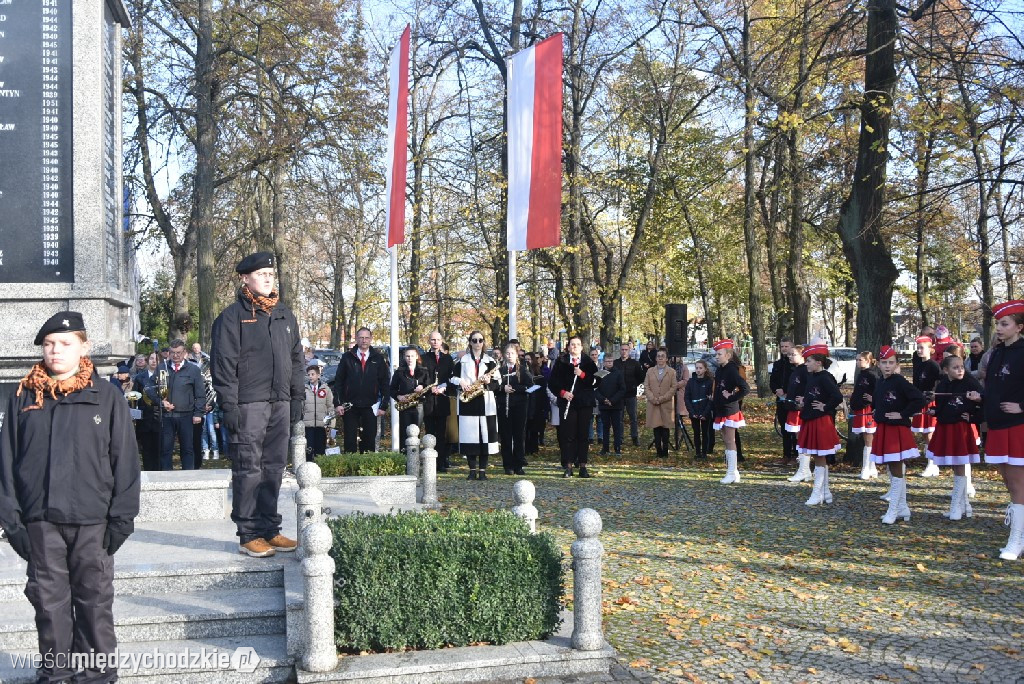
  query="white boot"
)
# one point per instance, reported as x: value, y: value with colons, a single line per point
x: 898, y: 502
x: 206, y: 454
x: 826, y: 492
x: 1015, y: 544
x: 931, y: 470
x: 216, y: 455
x: 867, y: 465
x: 732, y: 473
x: 956, y: 499
x: 970, y: 485
x: 803, y: 471
x: 888, y: 495
x: 818, y: 493
x: 964, y: 501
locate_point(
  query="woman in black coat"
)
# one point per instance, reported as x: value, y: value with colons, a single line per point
x: 697, y: 397
x: 409, y: 377
x: 572, y: 382
x: 513, y: 406
x: 539, y: 408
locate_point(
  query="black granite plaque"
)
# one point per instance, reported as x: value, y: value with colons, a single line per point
x: 36, y: 219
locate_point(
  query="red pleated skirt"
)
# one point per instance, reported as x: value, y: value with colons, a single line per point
x: 893, y: 443
x: 954, y: 444
x: 792, y: 421
x: 818, y: 437
x: 923, y: 422
x: 1005, y: 446
x: 733, y: 421
x: 863, y: 421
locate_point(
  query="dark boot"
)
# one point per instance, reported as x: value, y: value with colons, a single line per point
x: 583, y: 471
x: 472, y: 474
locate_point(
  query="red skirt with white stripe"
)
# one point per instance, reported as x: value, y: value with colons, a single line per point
x: 954, y: 444
x: 923, y: 422
x: 792, y: 421
x: 863, y: 421
x: 1005, y: 446
x: 818, y: 437
x: 893, y: 443
x: 733, y: 421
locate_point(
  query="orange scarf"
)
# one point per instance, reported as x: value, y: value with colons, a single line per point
x: 264, y: 304
x: 39, y: 381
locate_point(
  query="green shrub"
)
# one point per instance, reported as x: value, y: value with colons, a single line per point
x: 422, y: 581
x: 346, y: 465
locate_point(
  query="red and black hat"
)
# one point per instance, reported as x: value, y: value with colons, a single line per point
x: 723, y: 344
x: 1014, y: 306
x: 813, y: 349
x: 886, y: 352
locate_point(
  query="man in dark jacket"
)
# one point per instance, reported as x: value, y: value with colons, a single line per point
x: 436, y: 406
x: 632, y: 376
x: 611, y: 393
x: 258, y: 372
x: 363, y: 380
x: 778, y: 381
x: 182, y: 407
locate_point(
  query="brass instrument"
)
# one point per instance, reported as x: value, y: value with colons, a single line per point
x: 133, y: 398
x: 477, y: 388
x: 415, y: 398
x: 161, y: 385
x: 211, y: 394
x: 328, y: 420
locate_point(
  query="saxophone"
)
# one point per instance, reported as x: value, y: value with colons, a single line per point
x: 477, y: 388
x: 414, y: 398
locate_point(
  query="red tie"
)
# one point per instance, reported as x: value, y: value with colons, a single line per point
x: 437, y: 357
x: 177, y: 367
x: 362, y: 359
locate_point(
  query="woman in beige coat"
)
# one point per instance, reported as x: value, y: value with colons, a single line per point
x: 659, y: 390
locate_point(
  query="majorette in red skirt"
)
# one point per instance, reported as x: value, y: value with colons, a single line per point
x: 734, y: 420
x: 792, y: 421
x: 818, y: 437
x: 863, y: 421
x: 924, y: 422
x: 893, y: 443
x: 954, y: 444
x: 1005, y: 445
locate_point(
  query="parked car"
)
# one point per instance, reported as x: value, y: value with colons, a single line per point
x: 328, y: 356
x: 844, y: 363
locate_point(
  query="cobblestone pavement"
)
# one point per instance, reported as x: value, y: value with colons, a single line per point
x: 709, y: 582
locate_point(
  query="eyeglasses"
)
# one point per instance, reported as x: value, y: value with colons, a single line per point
x: 476, y: 340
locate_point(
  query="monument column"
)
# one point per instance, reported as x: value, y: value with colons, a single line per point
x: 62, y: 237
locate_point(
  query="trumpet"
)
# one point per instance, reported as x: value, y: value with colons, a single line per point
x: 477, y: 388
x: 329, y: 420
x: 133, y: 398
x: 161, y: 385
x: 414, y: 398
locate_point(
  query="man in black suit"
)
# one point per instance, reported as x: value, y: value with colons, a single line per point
x: 363, y: 380
x: 436, y: 407
x: 611, y: 393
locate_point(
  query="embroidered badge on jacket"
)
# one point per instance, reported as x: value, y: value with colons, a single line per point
x: 96, y: 419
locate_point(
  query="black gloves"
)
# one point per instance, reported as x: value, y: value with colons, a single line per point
x: 19, y: 542
x: 231, y: 419
x: 115, y: 535
x: 296, y: 410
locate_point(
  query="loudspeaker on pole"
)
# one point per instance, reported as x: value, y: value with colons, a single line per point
x: 675, y: 329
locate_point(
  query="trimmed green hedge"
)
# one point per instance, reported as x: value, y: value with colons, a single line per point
x: 378, y: 463
x: 424, y: 581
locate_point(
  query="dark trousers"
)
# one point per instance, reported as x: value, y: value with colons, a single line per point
x: 612, y: 420
x: 789, y: 452
x: 197, y: 445
x: 71, y: 587
x: 438, y: 427
x: 149, y: 447
x: 412, y: 416
x: 179, y: 426
x: 360, y: 429
x: 316, y: 440
x: 535, y: 433
x: 512, y: 431
x: 661, y: 441
x: 703, y: 435
x: 260, y: 452
x: 630, y: 406
x: 572, y: 435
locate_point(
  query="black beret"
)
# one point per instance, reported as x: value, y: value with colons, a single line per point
x: 62, y: 321
x: 123, y: 368
x: 254, y: 262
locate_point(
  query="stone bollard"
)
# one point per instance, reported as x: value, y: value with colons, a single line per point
x: 524, y: 493
x: 309, y: 500
x: 428, y: 473
x: 318, y: 586
x: 587, y: 551
x: 412, y: 451
x: 298, y: 445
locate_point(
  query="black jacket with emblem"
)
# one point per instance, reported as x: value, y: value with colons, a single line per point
x: 362, y: 387
x: 256, y: 356
x: 1004, y: 382
x: 74, y: 461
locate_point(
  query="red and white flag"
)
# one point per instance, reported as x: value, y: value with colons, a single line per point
x: 398, y: 141
x: 535, y: 146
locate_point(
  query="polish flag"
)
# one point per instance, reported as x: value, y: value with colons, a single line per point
x: 535, y: 146
x: 398, y: 141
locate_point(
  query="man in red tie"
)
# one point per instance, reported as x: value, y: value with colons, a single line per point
x: 363, y: 381
x: 183, y: 407
x: 436, y: 406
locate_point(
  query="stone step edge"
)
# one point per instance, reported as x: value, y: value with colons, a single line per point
x: 174, y: 569
x: 269, y: 647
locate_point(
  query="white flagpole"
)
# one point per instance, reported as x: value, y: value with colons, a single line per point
x: 512, y: 307
x: 395, y: 437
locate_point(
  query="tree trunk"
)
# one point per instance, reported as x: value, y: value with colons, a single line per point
x: 925, y: 146
x: 206, y: 166
x: 796, y: 280
x: 287, y: 287
x: 864, y: 242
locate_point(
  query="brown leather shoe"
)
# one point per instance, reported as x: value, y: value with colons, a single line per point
x: 280, y: 542
x: 257, y: 548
